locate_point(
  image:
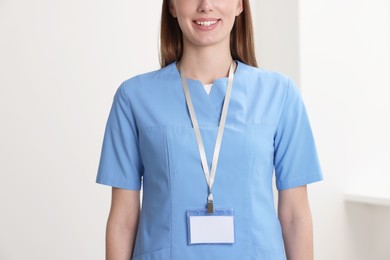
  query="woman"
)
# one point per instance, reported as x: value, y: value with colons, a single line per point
x: 166, y: 130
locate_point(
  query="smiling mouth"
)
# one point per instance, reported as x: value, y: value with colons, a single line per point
x: 206, y: 23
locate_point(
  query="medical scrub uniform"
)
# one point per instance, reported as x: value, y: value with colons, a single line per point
x: 150, y: 142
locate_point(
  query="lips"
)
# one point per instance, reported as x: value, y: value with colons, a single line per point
x: 206, y: 23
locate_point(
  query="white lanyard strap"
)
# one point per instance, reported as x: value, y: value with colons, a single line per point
x: 209, y: 175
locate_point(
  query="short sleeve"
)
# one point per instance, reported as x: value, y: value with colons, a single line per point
x: 120, y: 164
x: 295, y: 159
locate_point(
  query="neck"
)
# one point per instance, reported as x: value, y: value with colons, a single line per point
x: 206, y: 63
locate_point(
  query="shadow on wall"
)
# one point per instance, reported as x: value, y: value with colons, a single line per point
x: 369, y: 229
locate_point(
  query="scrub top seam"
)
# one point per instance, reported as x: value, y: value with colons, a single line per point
x: 131, y: 113
x: 202, y: 126
x: 170, y: 193
x: 135, y: 131
x: 250, y: 167
x: 284, y: 103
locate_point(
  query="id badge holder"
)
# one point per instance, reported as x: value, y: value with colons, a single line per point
x: 206, y: 228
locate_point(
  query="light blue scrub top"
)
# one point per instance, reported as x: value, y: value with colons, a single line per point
x: 149, y: 139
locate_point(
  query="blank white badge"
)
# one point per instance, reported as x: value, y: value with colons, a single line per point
x: 216, y: 228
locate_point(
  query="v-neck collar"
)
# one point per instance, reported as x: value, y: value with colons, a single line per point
x: 217, y: 82
x: 208, y: 107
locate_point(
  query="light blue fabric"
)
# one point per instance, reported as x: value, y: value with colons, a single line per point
x: 149, y: 137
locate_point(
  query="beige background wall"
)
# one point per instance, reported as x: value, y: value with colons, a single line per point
x: 61, y: 62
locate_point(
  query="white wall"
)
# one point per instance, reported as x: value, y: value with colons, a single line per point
x: 339, y: 52
x: 277, y: 36
x: 60, y: 64
x: 345, y: 75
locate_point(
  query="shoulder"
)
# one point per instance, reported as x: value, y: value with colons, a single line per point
x: 265, y: 76
x: 149, y: 79
x: 267, y: 81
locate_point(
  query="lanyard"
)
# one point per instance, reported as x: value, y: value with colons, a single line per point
x: 209, y: 175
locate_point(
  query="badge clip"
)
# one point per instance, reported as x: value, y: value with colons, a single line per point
x: 210, y: 207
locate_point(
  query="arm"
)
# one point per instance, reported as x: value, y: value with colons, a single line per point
x: 122, y: 224
x: 295, y: 218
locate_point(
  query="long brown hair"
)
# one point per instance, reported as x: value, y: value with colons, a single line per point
x: 241, y: 37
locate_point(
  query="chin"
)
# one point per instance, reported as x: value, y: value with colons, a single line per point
x: 209, y: 42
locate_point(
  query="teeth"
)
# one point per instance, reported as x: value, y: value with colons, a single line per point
x: 206, y: 23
